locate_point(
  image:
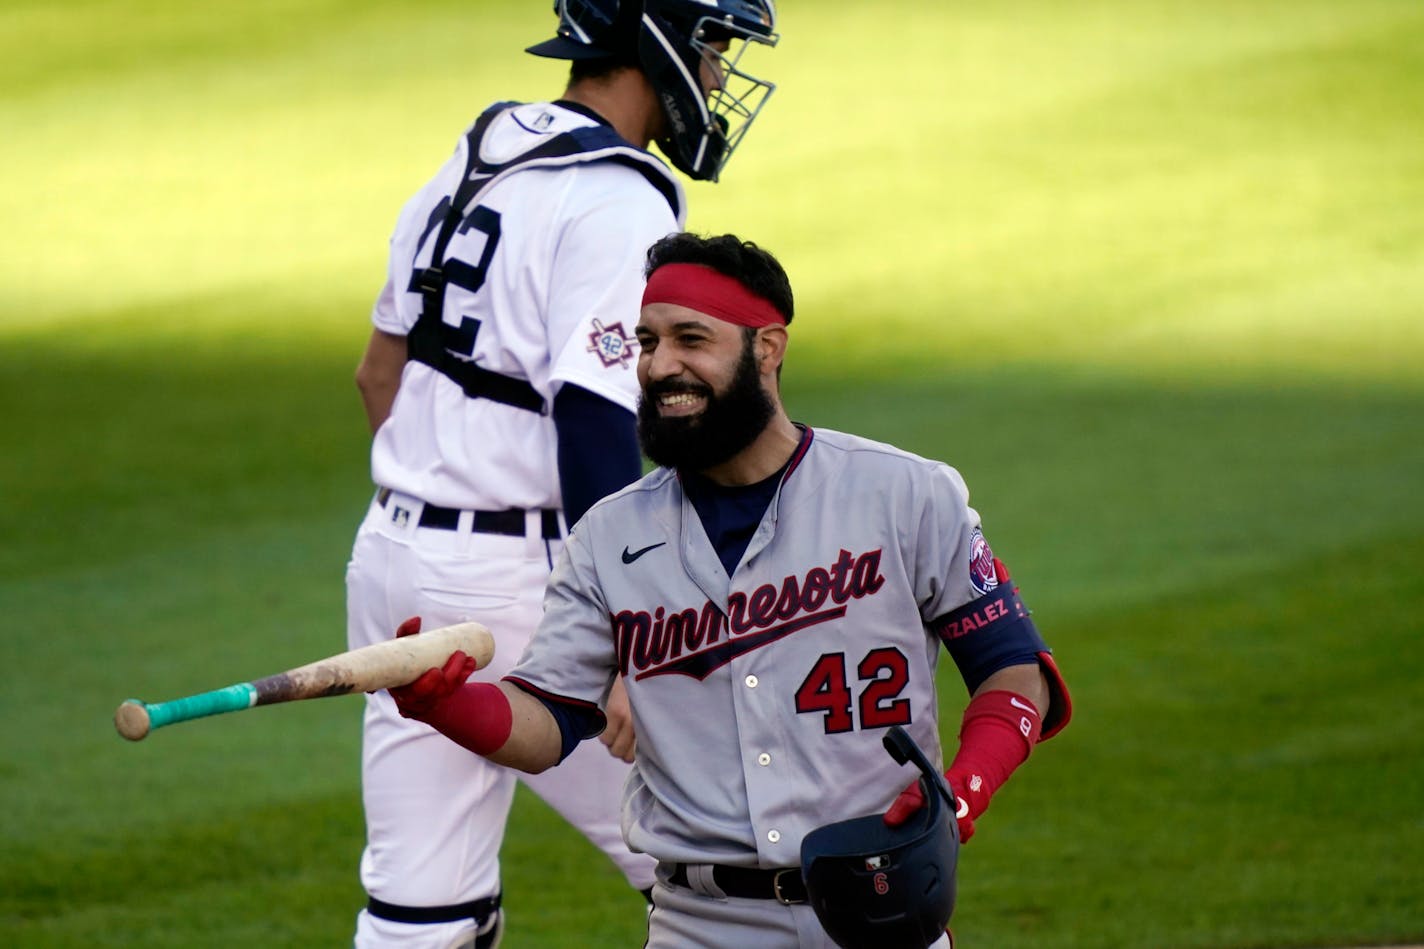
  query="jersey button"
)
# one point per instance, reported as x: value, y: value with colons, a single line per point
x: 773, y: 835
x: 763, y: 759
x: 751, y: 682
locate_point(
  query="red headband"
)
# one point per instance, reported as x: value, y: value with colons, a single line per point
x: 709, y: 291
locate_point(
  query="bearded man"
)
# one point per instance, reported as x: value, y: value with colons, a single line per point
x: 775, y: 598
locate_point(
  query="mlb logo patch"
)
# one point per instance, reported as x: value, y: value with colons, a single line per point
x: 612, y: 346
x: 981, y: 564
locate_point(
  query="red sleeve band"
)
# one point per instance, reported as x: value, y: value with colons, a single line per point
x: 475, y: 716
x: 998, y: 732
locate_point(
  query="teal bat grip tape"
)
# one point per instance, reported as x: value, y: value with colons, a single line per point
x: 231, y: 699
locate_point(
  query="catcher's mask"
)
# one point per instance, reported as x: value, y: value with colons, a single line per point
x: 673, y: 41
x: 874, y: 886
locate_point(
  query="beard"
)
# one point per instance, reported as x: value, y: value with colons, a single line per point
x: 730, y: 422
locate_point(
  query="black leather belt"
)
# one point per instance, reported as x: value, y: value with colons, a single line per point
x: 784, y: 885
x: 478, y: 910
x: 509, y: 523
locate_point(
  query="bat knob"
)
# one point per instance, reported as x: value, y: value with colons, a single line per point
x: 131, y: 719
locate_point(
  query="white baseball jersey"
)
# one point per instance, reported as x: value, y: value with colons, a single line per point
x: 536, y: 301
x: 761, y: 699
x: 543, y: 275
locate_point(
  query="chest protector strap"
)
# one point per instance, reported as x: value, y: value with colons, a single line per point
x: 426, y: 342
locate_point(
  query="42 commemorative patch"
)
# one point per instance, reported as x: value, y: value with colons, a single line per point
x: 611, y: 344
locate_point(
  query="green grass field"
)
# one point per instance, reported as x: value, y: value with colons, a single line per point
x: 1151, y: 275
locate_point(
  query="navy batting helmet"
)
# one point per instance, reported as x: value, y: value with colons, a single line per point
x: 874, y: 886
x: 671, y: 41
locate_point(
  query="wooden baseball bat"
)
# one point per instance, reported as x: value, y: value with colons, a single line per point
x: 380, y: 666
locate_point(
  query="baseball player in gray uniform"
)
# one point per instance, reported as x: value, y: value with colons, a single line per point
x: 775, y: 597
x: 499, y: 383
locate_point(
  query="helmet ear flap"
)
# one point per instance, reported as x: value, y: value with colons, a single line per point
x: 692, y: 141
x: 690, y: 50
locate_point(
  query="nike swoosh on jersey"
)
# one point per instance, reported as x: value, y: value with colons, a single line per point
x: 630, y: 557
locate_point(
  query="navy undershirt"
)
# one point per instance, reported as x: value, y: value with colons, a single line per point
x: 730, y: 514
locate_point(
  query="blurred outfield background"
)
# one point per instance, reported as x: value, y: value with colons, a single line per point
x: 1151, y: 274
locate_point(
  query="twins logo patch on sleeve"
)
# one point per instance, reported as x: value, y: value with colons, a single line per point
x: 981, y: 563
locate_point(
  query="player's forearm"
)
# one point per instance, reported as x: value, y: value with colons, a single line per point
x: 1026, y: 680
x: 379, y: 374
x: 534, y: 739
x: 1001, y: 725
x: 500, y: 722
x: 999, y: 729
x: 377, y: 404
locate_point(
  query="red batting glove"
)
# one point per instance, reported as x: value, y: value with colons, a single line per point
x: 999, y: 730
x: 420, y: 699
x: 912, y: 799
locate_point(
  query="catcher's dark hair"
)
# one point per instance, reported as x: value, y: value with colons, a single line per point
x: 752, y: 266
x: 581, y: 70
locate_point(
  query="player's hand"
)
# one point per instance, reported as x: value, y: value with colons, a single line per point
x: 912, y: 799
x: 619, y: 736
x: 418, y: 699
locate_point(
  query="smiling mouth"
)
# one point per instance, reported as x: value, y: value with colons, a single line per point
x: 680, y: 403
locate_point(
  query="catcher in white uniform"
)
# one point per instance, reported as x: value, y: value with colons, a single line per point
x: 776, y: 598
x: 499, y: 383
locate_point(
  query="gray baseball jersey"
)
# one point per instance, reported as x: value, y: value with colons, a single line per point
x: 761, y: 699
